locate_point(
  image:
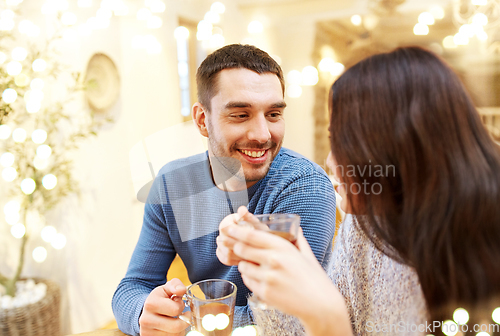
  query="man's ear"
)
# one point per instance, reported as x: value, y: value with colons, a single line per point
x: 199, y: 114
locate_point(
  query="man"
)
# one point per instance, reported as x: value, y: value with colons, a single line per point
x: 241, y: 112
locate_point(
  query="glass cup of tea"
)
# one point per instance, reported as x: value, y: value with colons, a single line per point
x: 283, y: 225
x: 212, y: 305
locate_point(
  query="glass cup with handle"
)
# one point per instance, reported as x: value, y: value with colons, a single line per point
x: 212, y: 305
x: 283, y: 225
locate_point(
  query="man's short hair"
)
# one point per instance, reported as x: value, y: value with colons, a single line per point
x: 230, y: 57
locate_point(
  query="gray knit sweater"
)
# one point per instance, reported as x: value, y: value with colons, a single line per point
x: 383, y: 297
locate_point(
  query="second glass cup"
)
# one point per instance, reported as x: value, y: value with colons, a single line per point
x: 283, y: 225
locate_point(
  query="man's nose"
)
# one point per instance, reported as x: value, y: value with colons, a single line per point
x: 259, y: 130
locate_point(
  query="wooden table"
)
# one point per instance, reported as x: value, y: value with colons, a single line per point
x: 107, y: 332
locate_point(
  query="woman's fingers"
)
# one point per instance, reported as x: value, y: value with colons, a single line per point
x: 255, y: 238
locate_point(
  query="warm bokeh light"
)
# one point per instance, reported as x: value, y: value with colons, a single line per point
x: 7, y: 14
x: 12, y: 218
x: 18, y: 230
x: 40, y: 163
x: 449, y: 328
x: 34, y: 95
x: 326, y: 64
x: 39, y: 65
x: 420, y: 29
x: 14, y: 68
x: 157, y: 6
x: 22, y: 80
x: 33, y: 106
x: 310, y: 76
x: 28, y: 186
x: 5, y: 132
x: 466, y: 30
x: 245, y: 331
x: 27, y: 27
x: 212, y: 17
x: 39, y: 254
x: 356, y: 20
x: 48, y: 233
x: 181, y: 33
x: 11, y: 207
x: 43, y: 151
x: 39, y: 136
x: 218, y: 7
x: 9, y: 174
x: 426, y: 18
x: 479, y: 2
x: 482, y: 35
x: 19, y: 135
x: 3, y: 57
x: 194, y: 333
x: 496, y: 315
x: 49, y: 181
x: 437, y: 12
x: 461, y: 316
x: 7, y: 159
x: 221, y: 321
x: 9, y: 96
x: 480, y: 19
x: 255, y: 27
x: 208, y: 322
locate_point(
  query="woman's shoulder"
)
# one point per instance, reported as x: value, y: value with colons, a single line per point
x: 378, y: 289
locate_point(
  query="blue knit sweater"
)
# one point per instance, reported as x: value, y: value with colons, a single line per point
x: 183, y: 213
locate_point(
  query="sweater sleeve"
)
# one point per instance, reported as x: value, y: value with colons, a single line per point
x: 147, y: 269
x: 312, y: 197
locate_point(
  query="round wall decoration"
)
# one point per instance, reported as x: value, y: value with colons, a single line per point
x: 102, y: 81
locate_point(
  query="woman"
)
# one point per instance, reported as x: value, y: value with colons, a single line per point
x: 424, y: 235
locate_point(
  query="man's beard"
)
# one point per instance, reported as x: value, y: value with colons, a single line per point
x: 227, y: 167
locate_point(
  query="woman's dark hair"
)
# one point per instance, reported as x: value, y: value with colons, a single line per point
x: 431, y: 199
x: 230, y: 57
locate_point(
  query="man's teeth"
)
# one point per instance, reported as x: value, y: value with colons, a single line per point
x: 254, y: 154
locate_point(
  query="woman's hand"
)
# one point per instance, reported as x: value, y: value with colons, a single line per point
x: 225, y: 243
x: 289, y: 278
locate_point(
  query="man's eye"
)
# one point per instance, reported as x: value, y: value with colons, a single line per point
x: 239, y: 116
x: 274, y: 114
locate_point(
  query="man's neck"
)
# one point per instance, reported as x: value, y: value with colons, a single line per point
x: 225, y: 179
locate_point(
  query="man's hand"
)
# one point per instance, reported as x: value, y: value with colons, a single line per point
x: 162, y: 304
x: 224, y: 242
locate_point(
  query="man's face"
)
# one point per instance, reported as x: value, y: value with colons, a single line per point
x: 246, y: 121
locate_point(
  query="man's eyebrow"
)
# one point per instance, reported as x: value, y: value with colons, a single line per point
x: 239, y: 104
x: 235, y: 104
x: 281, y: 104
